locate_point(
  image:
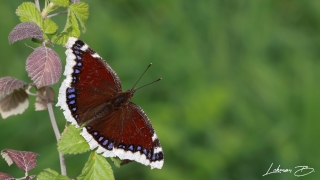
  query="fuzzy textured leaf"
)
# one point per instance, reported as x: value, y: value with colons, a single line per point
x: 13, y: 98
x: 41, y: 104
x: 15, y: 103
x: 9, y: 84
x: 28, y: 12
x: 25, y: 160
x: 72, y: 142
x: 81, y: 11
x: 49, y: 174
x: 97, y: 167
x: 25, y: 30
x: 63, y: 3
x: 6, y: 176
x: 44, y: 66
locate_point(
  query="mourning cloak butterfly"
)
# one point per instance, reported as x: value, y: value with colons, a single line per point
x: 92, y: 95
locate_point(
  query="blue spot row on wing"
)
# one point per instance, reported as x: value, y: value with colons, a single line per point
x: 77, y: 71
x: 76, y: 48
x: 108, y: 144
x: 71, y: 90
x: 71, y: 96
x: 71, y: 101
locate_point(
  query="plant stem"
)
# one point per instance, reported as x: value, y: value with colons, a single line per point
x: 51, y: 7
x: 37, y: 4
x: 55, y: 14
x: 56, y: 130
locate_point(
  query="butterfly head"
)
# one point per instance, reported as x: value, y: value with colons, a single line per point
x: 123, y: 98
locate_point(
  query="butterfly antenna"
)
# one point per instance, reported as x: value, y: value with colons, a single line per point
x: 141, y: 76
x: 149, y: 83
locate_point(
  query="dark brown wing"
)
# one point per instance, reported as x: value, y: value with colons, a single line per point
x: 90, y: 83
x: 126, y: 133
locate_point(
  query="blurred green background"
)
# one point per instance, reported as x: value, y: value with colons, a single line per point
x: 240, y: 85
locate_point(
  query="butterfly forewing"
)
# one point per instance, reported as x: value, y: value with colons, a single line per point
x: 90, y: 82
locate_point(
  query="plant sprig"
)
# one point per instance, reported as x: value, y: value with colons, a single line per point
x: 44, y: 68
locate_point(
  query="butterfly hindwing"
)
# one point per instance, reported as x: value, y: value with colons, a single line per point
x: 126, y: 133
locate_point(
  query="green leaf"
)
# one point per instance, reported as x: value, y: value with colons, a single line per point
x: 117, y: 161
x: 72, y: 142
x: 28, y: 12
x: 49, y: 27
x: 49, y: 174
x: 97, y: 167
x: 81, y: 11
x: 63, y: 3
x: 71, y: 29
x: 76, y: 12
x: 75, y: 32
x: 61, y: 39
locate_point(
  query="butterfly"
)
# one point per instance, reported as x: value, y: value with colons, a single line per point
x: 91, y: 96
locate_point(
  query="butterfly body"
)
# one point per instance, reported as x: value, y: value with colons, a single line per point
x: 92, y: 95
x: 122, y: 99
